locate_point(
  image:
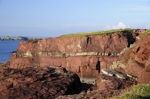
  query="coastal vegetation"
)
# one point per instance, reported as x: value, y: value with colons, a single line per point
x: 140, y: 91
x: 106, y: 32
x: 147, y: 32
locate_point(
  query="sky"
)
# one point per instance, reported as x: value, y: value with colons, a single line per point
x: 52, y: 18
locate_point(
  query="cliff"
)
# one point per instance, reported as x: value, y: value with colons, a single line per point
x: 111, y: 61
x: 84, y: 55
x: 136, y: 60
x: 14, y: 38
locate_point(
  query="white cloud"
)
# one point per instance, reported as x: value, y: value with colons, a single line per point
x: 120, y: 25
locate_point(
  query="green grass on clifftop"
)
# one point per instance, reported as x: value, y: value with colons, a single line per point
x: 140, y: 91
x: 147, y: 32
x: 105, y: 32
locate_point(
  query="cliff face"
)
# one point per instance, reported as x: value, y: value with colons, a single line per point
x: 113, y: 43
x: 117, y: 61
x: 137, y: 61
x: 85, y: 56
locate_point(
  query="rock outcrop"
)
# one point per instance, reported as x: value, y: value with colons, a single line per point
x: 21, y: 38
x: 8, y: 38
x: 85, y: 56
x: 105, y: 87
x: 137, y: 61
x: 37, y: 83
x: 111, y: 63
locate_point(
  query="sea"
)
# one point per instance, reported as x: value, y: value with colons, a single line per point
x: 6, y: 48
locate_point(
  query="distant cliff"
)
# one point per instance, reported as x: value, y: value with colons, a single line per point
x: 22, y: 38
x: 14, y: 38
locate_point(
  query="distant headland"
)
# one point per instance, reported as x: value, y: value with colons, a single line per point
x: 20, y: 38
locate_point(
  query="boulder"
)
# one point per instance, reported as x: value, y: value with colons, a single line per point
x: 105, y: 87
x: 37, y: 83
x: 105, y: 82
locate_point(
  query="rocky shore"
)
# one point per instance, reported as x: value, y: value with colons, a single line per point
x: 87, y: 67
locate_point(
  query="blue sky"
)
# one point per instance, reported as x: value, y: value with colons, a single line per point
x: 51, y: 18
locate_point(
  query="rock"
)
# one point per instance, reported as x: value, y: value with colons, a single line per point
x: 104, y: 82
x: 144, y: 77
x: 37, y: 83
x: 21, y: 38
x: 110, y: 72
x: 137, y: 60
x: 106, y: 86
x: 85, y: 56
x: 84, y: 66
x: 5, y: 64
x: 1, y: 63
x: 114, y: 43
x: 133, y: 68
x: 8, y: 38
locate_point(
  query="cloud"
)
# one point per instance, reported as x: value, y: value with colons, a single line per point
x: 120, y: 25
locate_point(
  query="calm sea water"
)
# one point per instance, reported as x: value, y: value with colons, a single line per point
x: 6, y: 47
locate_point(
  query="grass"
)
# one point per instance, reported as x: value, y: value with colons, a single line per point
x: 147, y: 32
x: 83, y: 34
x: 140, y: 91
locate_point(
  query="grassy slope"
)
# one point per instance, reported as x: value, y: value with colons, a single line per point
x: 140, y: 91
x: 147, y: 32
x: 106, y: 32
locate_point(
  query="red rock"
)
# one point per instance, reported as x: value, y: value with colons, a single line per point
x: 37, y: 83
x: 72, y: 54
x: 23, y: 62
x: 147, y: 66
x: 77, y: 44
x: 60, y: 51
x: 133, y: 68
x: 106, y: 86
x: 144, y: 77
x: 104, y: 82
x: 138, y: 62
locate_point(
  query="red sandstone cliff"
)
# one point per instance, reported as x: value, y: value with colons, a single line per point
x: 137, y: 60
x: 92, y: 57
x: 85, y: 56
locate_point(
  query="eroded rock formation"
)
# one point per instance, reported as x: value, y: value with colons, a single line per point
x: 85, y: 56
x: 105, y: 87
x: 116, y: 61
x: 137, y: 61
x: 37, y: 83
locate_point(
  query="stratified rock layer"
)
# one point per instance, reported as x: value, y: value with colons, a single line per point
x: 85, y: 56
x: 37, y: 83
x: 116, y: 61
